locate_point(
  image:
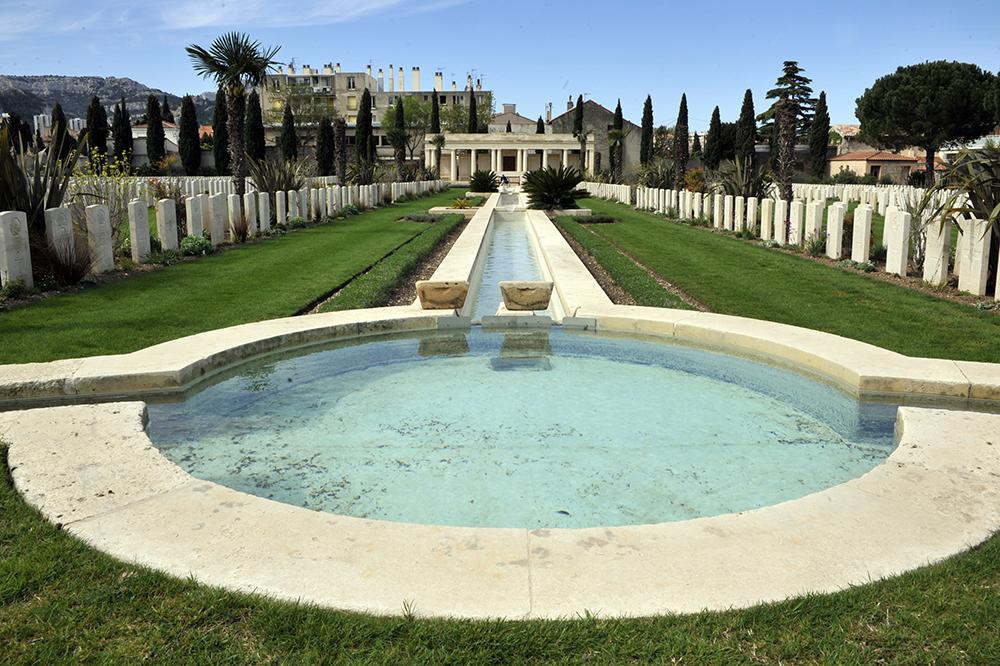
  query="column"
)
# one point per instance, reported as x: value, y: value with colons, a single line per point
x: 473, y: 161
x: 454, y: 164
x: 545, y: 158
x: 520, y: 161
x: 565, y: 158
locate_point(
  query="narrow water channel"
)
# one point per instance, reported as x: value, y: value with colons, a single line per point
x: 509, y: 256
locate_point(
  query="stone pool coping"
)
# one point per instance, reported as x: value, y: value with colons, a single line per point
x: 92, y: 469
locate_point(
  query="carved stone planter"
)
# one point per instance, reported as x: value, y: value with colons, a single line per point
x: 443, y: 295
x: 526, y: 295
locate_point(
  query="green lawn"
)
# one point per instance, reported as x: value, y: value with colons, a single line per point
x: 741, y: 278
x: 271, y: 278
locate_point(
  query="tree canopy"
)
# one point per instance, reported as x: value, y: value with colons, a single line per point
x: 155, y: 140
x: 746, y: 130
x: 646, y: 143
x: 794, y: 86
x: 188, y: 141
x: 289, y: 138
x: 819, y: 138
x: 713, y: 141
x: 254, y: 128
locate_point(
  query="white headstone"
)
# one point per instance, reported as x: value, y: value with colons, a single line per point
x: 15, y: 250
x: 780, y: 229
x: 975, y: 248
x: 194, y: 216
x: 766, y: 218
x: 59, y: 233
x: 102, y: 253
x: 728, y: 212
x: 280, y: 208
x: 217, y: 223
x: 166, y: 223
x: 835, y: 230
x: 264, y: 211
x: 937, y: 251
x: 897, y: 250
x: 293, y: 205
x: 250, y: 211
x: 795, y: 223
x: 138, y: 229
x: 739, y: 218
x: 861, y: 233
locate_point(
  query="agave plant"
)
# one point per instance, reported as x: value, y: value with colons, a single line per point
x: 554, y: 187
x: 278, y: 175
x: 741, y: 179
x: 658, y: 174
x: 976, y: 173
x: 483, y: 181
x: 362, y: 172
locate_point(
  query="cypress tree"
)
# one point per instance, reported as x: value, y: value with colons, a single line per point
x: 746, y: 130
x: 165, y: 112
x: 97, y: 126
x: 340, y: 147
x: 289, y: 140
x: 616, y: 143
x: 819, y: 138
x: 59, y: 139
x: 435, y: 115
x: 473, y: 115
x: 220, y: 133
x: 324, y: 147
x: 155, y: 143
x: 578, y: 116
x: 646, y: 146
x: 696, y: 146
x: 509, y: 128
x: 713, y: 142
x: 39, y: 144
x: 540, y: 126
x: 399, y: 137
x: 681, y: 154
x: 253, y: 129
x: 363, y: 132
x: 121, y: 131
x: 188, y: 141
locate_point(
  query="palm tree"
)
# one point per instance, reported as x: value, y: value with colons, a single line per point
x: 236, y: 63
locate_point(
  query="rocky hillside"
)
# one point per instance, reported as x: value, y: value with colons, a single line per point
x: 28, y: 95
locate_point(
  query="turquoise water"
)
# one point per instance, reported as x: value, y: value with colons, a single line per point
x: 553, y: 429
x: 510, y: 256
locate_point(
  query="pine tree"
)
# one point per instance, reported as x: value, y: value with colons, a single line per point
x: 363, y: 133
x: 696, y: 147
x: 97, y: 126
x: 121, y: 131
x: 288, y: 140
x: 713, y: 142
x: 746, y: 131
x: 254, y: 128
x: 819, y: 138
x: 324, y: 147
x: 155, y: 143
x: 540, y: 126
x: 646, y: 146
x: 473, y: 115
x: 786, y: 126
x: 793, y: 87
x: 165, y: 112
x: 435, y: 115
x: 220, y: 133
x: 188, y: 141
x: 340, y: 148
x: 681, y: 154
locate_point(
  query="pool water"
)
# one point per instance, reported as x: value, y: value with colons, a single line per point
x: 509, y: 256
x: 514, y: 429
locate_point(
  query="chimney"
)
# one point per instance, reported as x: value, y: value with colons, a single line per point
x: 337, y: 68
x: 548, y: 112
x: 328, y: 69
x: 438, y: 81
x: 381, y: 80
x: 416, y: 78
x: 291, y: 68
x: 468, y: 82
x: 392, y: 81
x: 368, y: 70
x: 306, y: 70
x: 454, y: 86
x: 569, y: 103
x: 402, y: 81
x: 479, y: 84
x: 281, y: 70
x: 510, y: 108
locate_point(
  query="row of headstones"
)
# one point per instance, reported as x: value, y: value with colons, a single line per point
x: 140, y: 188
x: 619, y: 193
x: 803, y: 221
x: 214, y: 214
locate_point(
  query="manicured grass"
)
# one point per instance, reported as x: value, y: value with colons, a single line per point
x: 736, y: 277
x: 62, y: 602
x: 374, y: 287
x: 643, y: 289
x: 262, y: 280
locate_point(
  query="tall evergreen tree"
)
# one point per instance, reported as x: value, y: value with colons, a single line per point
x: 254, y: 128
x: 39, y: 144
x: 165, y: 112
x: 289, y: 139
x: 696, y: 146
x: 713, y: 142
x: 681, y: 154
x: 97, y: 126
x: 578, y: 130
x: 220, y: 133
x: 819, y: 138
x: 155, y: 142
x: 188, y: 141
x: 616, y: 144
x: 793, y: 87
x: 324, y: 147
x: 59, y: 138
x: 340, y: 148
x: 435, y: 127
x: 363, y: 133
x: 473, y: 115
x: 121, y: 132
x: 540, y: 126
x: 509, y: 128
x: 399, y: 137
x: 746, y: 130
x: 646, y: 145
x: 786, y: 131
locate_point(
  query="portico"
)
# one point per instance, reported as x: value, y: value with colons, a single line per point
x: 509, y: 154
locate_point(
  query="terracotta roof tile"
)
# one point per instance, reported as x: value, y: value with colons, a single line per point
x: 872, y: 156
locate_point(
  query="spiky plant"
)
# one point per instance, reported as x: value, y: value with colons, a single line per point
x: 278, y: 175
x: 483, y: 181
x: 658, y: 173
x: 553, y: 187
x: 741, y: 178
x: 236, y: 63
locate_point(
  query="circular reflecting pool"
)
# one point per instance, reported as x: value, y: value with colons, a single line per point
x: 517, y: 429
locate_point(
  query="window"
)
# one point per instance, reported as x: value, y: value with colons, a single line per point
x: 352, y: 120
x: 443, y: 99
x: 352, y: 103
x: 874, y: 170
x: 350, y: 83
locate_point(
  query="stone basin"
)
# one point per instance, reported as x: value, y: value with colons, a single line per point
x: 526, y: 294
x: 442, y: 294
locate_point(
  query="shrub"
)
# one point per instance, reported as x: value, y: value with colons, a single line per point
x: 886, y: 180
x: 70, y: 264
x: 14, y: 290
x: 484, y: 181
x: 747, y: 234
x: 196, y: 245
x: 461, y: 203
x: 596, y: 219
x: 846, y: 177
x: 165, y: 257
x: 742, y: 179
x: 658, y: 174
x: 864, y: 266
x: 349, y: 210
x: 423, y: 217
x: 278, y: 175
x: 554, y: 187
x: 695, y: 181
x: 297, y: 223
x: 878, y: 252
x: 815, y: 246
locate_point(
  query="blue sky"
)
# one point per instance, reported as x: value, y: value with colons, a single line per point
x: 528, y: 52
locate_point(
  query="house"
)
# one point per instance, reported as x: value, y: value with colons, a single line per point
x: 598, y: 120
x: 878, y: 163
x: 518, y: 124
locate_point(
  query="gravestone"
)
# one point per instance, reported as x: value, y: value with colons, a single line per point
x: 835, y: 230
x: 766, y: 218
x: 264, y: 212
x: 795, y: 223
x: 217, y: 221
x: 195, y: 224
x: 898, y: 248
x: 102, y: 252
x: 166, y: 223
x: 138, y: 228
x: 861, y: 233
x: 15, y: 249
x: 937, y: 251
x: 59, y: 233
